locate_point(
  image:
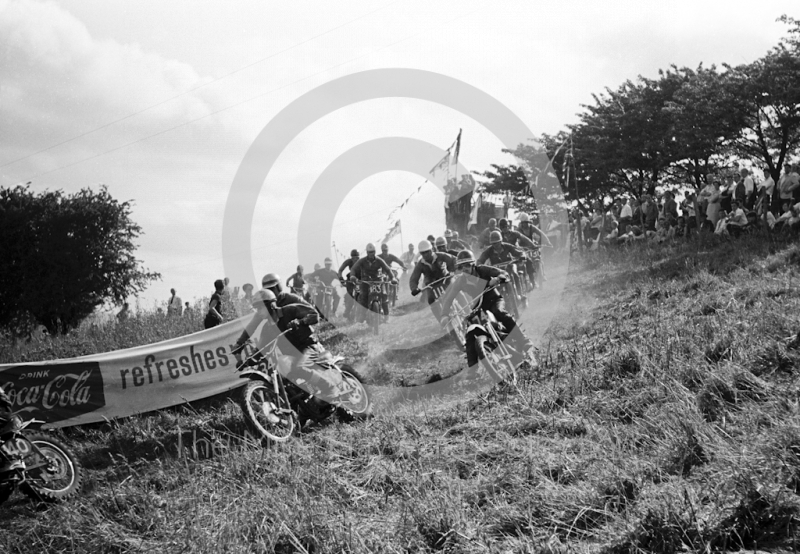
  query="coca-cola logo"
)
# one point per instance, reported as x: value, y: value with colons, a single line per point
x: 55, y: 392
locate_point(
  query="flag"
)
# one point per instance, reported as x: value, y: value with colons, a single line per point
x: 457, y: 149
x: 394, y: 231
x: 443, y: 167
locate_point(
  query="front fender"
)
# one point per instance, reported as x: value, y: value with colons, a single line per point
x: 256, y: 375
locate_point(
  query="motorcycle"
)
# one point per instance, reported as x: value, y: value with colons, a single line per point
x: 40, y: 466
x: 275, y: 406
x: 510, y: 291
x: 451, y: 324
x: 378, y: 291
x: 485, y: 344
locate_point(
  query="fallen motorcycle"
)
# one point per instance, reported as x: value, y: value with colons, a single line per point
x: 37, y: 464
x: 276, y: 407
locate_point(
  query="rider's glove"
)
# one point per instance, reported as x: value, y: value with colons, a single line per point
x: 494, y: 281
x: 293, y: 324
x: 394, y: 281
x: 415, y: 291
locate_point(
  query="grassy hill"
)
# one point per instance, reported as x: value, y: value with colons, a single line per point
x: 664, y: 417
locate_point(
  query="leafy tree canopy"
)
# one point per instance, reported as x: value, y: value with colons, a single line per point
x: 62, y: 256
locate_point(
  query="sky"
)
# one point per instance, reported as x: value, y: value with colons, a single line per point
x: 160, y: 102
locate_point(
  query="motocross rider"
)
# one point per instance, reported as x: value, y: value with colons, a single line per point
x: 475, y: 279
x: 390, y: 259
x: 5, y: 416
x: 284, y: 311
x: 327, y: 276
x: 528, y: 229
x: 515, y: 238
x: 371, y: 268
x: 349, y: 299
x: 442, y: 246
x: 501, y: 252
x: 486, y: 234
x: 433, y: 266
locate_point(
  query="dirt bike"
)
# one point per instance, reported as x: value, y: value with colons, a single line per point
x: 275, y: 406
x: 393, y: 286
x: 41, y: 466
x: 509, y: 289
x: 438, y: 288
x: 378, y: 291
x: 485, y: 338
x: 323, y: 299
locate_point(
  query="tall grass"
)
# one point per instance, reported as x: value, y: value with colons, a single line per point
x: 663, y: 417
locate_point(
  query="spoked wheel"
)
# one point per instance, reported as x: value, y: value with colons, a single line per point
x: 59, y: 475
x: 266, y: 412
x: 457, y: 328
x: 510, y: 295
x: 357, y: 400
x: 496, y: 365
x: 374, y: 316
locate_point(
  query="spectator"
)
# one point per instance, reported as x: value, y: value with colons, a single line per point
x: 625, y: 216
x: 705, y: 195
x: 681, y: 227
x: 737, y: 219
x: 123, y: 314
x: 749, y: 189
x: 215, y: 315
x: 689, y: 208
x: 248, y: 293
x: 297, y: 284
x: 174, y: 304
x: 788, y: 184
x: 766, y: 189
x: 506, y: 203
x: 714, y: 207
x: 670, y: 209
x: 187, y: 311
x: 650, y: 213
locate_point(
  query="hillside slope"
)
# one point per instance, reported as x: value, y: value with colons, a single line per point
x: 664, y: 416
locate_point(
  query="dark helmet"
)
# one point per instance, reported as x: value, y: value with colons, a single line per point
x: 503, y: 223
x: 271, y: 280
x: 465, y: 257
x: 495, y: 237
x: 354, y: 253
x: 441, y: 241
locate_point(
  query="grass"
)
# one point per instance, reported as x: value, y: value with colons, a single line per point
x: 664, y: 417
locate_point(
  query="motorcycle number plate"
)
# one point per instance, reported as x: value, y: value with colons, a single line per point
x: 17, y: 448
x: 375, y: 288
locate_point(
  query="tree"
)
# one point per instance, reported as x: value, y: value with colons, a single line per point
x: 62, y: 256
x: 766, y: 95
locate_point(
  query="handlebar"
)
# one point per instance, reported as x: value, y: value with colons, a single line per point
x: 432, y: 283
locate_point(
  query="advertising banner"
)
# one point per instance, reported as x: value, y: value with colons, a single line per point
x: 104, y: 386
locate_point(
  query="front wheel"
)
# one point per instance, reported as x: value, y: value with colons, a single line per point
x: 269, y: 414
x: 356, y: 401
x: 374, y: 316
x: 53, y: 473
x: 498, y: 366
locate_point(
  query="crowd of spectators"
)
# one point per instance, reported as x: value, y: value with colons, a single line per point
x: 729, y: 204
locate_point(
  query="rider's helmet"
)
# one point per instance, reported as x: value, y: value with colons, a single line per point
x: 465, y: 257
x: 492, y: 223
x: 354, y: 253
x: 410, y: 246
x: 370, y: 249
x: 503, y: 223
x: 271, y: 281
x: 431, y: 239
x: 455, y: 235
x: 384, y: 247
x: 495, y: 237
x: 267, y: 298
x: 448, y: 233
x: 424, y: 246
x: 328, y: 262
x: 300, y: 269
x: 316, y: 267
x: 441, y: 242
x: 523, y: 218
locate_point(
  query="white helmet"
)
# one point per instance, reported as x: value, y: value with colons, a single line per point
x: 523, y: 218
x: 424, y: 246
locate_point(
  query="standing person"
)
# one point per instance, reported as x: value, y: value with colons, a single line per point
x: 625, y: 216
x: 506, y: 203
x: 248, y: 293
x: 689, y: 213
x: 766, y: 189
x: 749, y: 189
x: 670, y: 209
x: 484, y: 238
x: 789, y: 184
x: 123, y: 314
x: 214, y: 316
x: 327, y: 276
x: 714, y: 204
x: 371, y: 268
x: 187, y: 311
x: 410, y: 259
x: 650, y: 212
x: 349, y: 299
x: 174, y: 304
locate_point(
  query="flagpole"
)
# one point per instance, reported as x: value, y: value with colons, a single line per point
x: 335, y: 253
